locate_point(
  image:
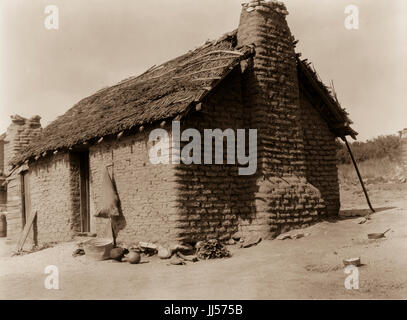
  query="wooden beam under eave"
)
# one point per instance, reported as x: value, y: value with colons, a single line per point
x: 338, y: 128
x: 317, y: 87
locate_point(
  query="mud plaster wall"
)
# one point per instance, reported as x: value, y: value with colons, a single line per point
x: 50, y: 182
x: 50, y: 196
x: 147, y: 192
x: 320, y: 156
x: 214, y: 201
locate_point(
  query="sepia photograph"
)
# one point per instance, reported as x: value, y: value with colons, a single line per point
x: 181, y: 151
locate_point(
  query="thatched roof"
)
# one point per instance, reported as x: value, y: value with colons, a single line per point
x: 328, y: 104
x: 163, y: 92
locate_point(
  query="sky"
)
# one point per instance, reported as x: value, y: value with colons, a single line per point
x: 101, y: 42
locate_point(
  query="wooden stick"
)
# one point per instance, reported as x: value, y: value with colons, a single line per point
x: 182, y: 100
x: 203, y: 70
x: 206, y: 79
x: 113, y: 235
x: 148, y: 70
x: 26, y: 231
x: 237, y: 53
x: 358, y: 173
x: 204, y: 61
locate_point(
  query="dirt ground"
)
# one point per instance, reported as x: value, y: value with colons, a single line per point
x: 307, y: 268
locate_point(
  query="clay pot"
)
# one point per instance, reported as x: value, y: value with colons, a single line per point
x: 133, y: 257
x: 117, y: 253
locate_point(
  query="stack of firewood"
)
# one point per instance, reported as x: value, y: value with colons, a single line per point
x: 212, y: 249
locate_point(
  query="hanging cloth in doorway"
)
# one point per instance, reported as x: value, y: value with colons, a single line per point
x: 110, y: 200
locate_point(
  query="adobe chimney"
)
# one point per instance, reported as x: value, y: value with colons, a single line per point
x: 284, y: 197
x: 19, y: 134
x: 275, y: 107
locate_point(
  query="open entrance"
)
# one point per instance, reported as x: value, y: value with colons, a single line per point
x: 25, y: 198
x: 84, y: 190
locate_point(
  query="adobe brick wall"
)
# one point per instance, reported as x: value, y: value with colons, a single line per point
x: 320, y: 156
x: 147, y: 192
x: 214, y: 201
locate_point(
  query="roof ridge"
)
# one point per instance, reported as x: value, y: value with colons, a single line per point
x: 165, y: 91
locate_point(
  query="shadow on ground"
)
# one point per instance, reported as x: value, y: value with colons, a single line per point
x: 355, y: 214
x: 352, y: 213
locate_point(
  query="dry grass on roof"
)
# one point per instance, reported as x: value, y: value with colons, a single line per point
x: 341, y: 115
x: 161, y: 92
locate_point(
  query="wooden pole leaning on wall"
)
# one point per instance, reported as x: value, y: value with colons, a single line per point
x: 358, y: 173
x: 23, y: 237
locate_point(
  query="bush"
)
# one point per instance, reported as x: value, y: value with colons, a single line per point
x: 377, y: 148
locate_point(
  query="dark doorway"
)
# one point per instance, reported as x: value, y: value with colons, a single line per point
x: 25, y: 198
x: 84, y: 190
x: 27, y: 216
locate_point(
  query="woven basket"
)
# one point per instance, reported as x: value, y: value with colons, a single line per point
x: 98, y: 249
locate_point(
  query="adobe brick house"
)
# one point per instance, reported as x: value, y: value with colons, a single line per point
x: 249, y: 78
